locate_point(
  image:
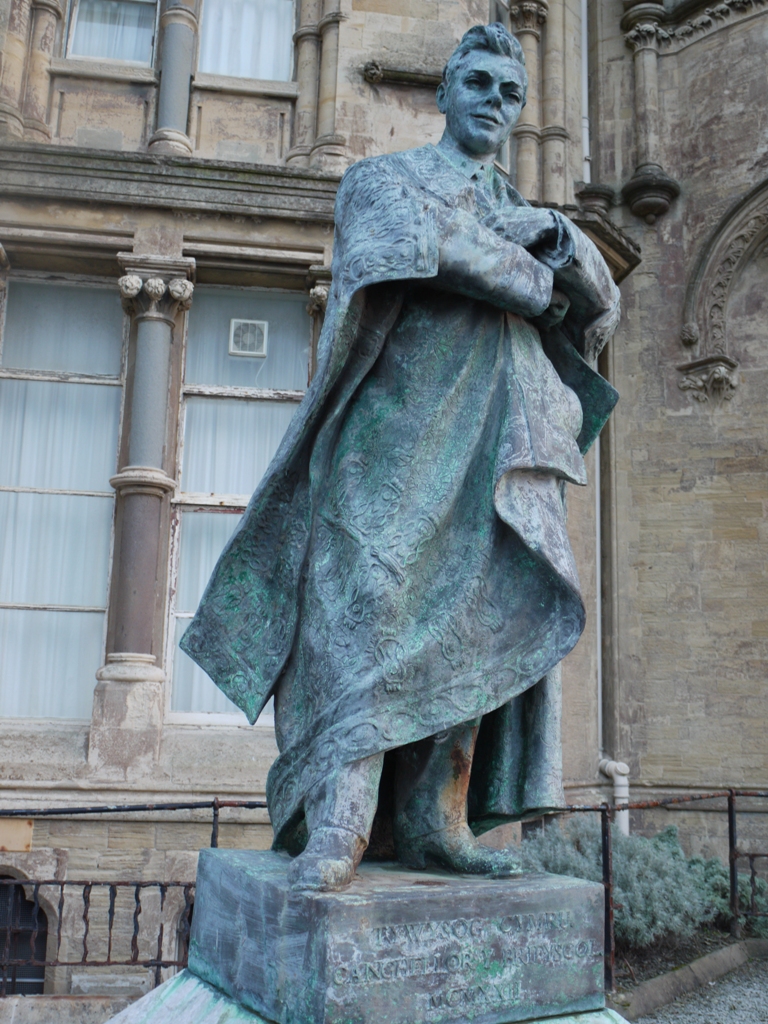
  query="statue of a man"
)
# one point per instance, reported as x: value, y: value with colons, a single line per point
x: 402, y: 581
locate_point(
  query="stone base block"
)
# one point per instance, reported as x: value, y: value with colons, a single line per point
x: 186, y: 999
x: 397, y: 946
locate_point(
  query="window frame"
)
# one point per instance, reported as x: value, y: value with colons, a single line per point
x: 226, y: 504
x: 70, y: 38
x: 64, y: 376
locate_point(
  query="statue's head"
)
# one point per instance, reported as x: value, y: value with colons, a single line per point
x: 483, y: 89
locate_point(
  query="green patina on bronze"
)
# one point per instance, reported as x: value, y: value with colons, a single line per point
x: 404, y: 566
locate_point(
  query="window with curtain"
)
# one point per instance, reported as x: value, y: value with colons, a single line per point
x: 246, y: 369
x: 114, y: 30
x: 61, y: 384
x: 247, y: 39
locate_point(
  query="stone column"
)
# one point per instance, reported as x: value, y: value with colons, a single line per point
x: 527, y: 19
x: 328, y: 148
x: 554, y: 134
x: 12, y: 65
x: 307, y: 41
x: 128, y: 701
x: 650, y: 190
x: 178, y: 25
x: 46, y: 15
x: 319, y: 283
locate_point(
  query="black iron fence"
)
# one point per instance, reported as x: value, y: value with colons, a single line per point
x: 27, y: 950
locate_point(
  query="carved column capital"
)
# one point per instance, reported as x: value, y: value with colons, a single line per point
x: 155, y: 287
x: 529, y: 16
x: 153, y: 297
x: 318, y: 299
x: 647, y: 35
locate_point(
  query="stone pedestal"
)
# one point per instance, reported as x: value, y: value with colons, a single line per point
x: 396, y: 947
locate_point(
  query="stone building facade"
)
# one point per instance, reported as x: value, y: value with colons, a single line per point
x: 167, y: 178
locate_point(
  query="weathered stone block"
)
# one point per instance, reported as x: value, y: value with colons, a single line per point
x: 185, y: 999
x: 397, y: 946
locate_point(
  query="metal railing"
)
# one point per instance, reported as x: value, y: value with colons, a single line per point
x: 607, y: 813
x: 159, y: 961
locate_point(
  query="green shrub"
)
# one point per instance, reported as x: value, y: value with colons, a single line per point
x: 657, y: 891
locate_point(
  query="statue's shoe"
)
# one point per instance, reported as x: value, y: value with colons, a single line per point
x: 328, y: 862
x: 457, y: 849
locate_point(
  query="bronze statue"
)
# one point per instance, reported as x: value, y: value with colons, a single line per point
x: 402, y: 581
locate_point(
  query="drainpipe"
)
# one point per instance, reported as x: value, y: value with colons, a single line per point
x: 618, y: 772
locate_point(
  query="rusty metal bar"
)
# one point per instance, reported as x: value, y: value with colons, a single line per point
x: 607, y: 855
x: 136, y: 912
x: 7, y: 946
x: 133, y: 808
x: 111, y: 919
x: 733, y: 856
x: 61, y: 918
x: 215, y: 828
x: 86, y: 920
x: 158, y: 969
x: 35, y: 921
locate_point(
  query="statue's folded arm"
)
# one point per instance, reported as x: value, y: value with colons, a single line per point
x: 475, y: 261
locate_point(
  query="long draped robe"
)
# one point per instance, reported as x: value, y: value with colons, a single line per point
x: 404, y: 565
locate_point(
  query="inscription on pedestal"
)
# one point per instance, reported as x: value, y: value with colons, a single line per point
x: 462, y: 964
x: 397, y: 946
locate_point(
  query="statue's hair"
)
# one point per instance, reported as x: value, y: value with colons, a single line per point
x: 494, y: 38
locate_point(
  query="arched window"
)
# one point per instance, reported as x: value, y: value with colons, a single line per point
x: 23, y: 937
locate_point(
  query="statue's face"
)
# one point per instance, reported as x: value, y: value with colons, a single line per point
x: 482, y: 101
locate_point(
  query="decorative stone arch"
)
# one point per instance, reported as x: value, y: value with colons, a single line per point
x: 740, y: 233
x: 48, y: 913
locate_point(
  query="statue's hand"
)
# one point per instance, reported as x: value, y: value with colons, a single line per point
x: 526, y: 226
x: 555, y: 311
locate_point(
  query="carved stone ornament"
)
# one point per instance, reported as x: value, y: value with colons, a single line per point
x: 318, y: 299
x: 645, y: 35
x: 689, y: 334
x: 377, y: 73
x: 671, y: 38
x: 739, y: 235
x: 649, y: 192
x: 529, y: 17
x: 153, y: 297
x: 712, y: 379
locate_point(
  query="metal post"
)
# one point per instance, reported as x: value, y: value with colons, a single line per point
x: 215, y: 829
x: 607, y: 850
x: 733, y: 855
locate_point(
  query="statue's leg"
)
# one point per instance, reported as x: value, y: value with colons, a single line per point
x: 432, y: 781
x: 339, y: 812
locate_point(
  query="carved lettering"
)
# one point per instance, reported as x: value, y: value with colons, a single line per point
x: 473, y: 995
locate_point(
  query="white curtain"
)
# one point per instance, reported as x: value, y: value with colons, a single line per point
x: 203, y: 535
x: 54, y: 548
x: 247, y: 39
x: 48, y: 661
x: 228, y: 444
x: 58, y: 436
x: 63, y: 327
x: 114, y: 30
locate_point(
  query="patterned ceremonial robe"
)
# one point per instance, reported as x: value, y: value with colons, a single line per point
x: 404, y: 565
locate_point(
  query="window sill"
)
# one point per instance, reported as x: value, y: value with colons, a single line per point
x: 115, y: 71
x: 222, y: 720
x: 245, y: 86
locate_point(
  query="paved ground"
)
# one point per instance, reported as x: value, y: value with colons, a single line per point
x: 741, y: 997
